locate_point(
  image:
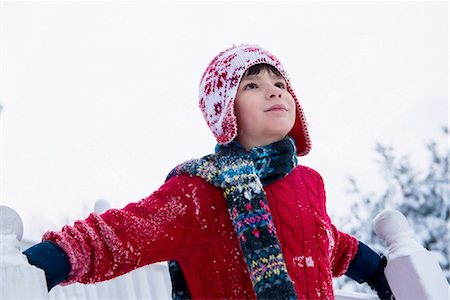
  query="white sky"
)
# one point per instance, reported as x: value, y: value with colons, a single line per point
x: 100, y: 98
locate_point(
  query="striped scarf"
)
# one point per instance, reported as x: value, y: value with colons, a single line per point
x: 242, y: 176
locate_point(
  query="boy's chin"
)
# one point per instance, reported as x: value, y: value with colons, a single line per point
x: 278, y: 135
x: 275, y: 138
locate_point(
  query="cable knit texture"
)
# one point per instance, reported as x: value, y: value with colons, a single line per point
x: 187, y: 220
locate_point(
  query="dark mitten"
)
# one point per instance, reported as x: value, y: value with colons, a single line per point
x: 368, y: 266
x: 52, y: 259
x: 180, y: 289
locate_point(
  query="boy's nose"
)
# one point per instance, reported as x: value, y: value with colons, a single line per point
x: 273, y: 93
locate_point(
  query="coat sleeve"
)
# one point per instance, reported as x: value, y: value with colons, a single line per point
x: 343, y: 247
x: 343, y: 252
x: 157, y: 228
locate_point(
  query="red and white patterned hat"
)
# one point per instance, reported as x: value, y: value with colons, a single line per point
x: 218, y: 89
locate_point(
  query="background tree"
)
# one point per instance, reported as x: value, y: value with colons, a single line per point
x: 421, y: 195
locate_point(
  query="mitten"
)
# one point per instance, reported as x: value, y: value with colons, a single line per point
x: 367, y: 266
x: 52, y: 260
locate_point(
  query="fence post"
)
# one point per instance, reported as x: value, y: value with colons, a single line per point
x: 18, y: 279
x: 412, y: 271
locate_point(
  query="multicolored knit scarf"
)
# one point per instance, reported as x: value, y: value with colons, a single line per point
x: 242, y: 174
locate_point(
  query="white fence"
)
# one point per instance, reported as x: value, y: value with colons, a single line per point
x: 150, y: 282
x: 412, y: 271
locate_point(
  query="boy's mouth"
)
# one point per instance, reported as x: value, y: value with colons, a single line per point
x: 276, y: 107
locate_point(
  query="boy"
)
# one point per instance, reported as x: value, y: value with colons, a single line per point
x: 244, y: 222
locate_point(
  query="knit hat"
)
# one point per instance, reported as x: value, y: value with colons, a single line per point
x: 218, y: 89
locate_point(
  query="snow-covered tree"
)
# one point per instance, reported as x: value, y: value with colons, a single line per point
x: 421, y: 195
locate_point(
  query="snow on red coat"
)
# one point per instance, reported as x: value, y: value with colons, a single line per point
x: 187, y: 220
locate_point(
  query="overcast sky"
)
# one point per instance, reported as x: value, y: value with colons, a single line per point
x: 100, y: 98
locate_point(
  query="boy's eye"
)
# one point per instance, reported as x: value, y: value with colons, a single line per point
x: 280, y: 85
x: 250, y: 86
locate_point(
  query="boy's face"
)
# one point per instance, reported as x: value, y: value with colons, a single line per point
x: 264, y: 108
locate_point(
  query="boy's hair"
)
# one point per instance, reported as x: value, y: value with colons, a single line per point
x: 256, y: 69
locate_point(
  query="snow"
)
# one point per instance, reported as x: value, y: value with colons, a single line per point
x: 412, y: 271
x: 10, y: 222
x: 101, y: 206
x: 392, y: 227
x: 18, y: 279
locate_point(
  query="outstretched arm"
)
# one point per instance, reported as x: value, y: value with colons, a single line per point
x: 105, y: 246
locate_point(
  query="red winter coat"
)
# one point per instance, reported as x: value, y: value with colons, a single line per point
x: 187, y: 220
